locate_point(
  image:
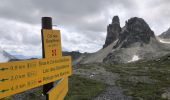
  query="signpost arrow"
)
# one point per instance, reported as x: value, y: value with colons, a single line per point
x: 2, y: 69
x: 3, y: 91
x: 59, y: 91
x: 2, y: 80
x: 24, y: 75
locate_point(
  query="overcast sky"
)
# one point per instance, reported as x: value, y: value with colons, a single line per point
x: 82, y: 22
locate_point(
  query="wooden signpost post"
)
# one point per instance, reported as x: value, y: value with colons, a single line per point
x: 19, y: 76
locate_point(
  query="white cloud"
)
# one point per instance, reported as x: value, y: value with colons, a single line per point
x: 82, y: 23
x: 20, y: 37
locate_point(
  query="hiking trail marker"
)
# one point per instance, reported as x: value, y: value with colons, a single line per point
x: 52, y: 43
x: 19, y: 76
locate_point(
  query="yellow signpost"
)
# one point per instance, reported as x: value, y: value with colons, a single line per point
x: 52, y: 48
x: 23, y: 75
x: 59, y: 91
x: 19, y: 76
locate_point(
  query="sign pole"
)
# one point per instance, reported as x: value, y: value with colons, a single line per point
x: 46, y: 24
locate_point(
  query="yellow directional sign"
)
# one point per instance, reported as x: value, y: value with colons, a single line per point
x: 59, y: 91
x: 19, y: 76
x: 52, y: 43
x: 52, y: 48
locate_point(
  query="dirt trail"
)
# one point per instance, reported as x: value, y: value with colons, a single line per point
x: 99, y: 73
x: 113, y: 93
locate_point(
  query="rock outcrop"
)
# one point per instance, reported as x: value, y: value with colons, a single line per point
x: 113, y: 31
x: 135, y: 41
x: 135, y: 30
x: 165, y: 35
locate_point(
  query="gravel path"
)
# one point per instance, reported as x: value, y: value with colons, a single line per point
x: 113, y: 93
x: 100, y: 74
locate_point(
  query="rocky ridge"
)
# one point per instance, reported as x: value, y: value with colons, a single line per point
x: 5, y: 57
x: 135, y: 30
x: 133, y: 42
x: 165, y: 35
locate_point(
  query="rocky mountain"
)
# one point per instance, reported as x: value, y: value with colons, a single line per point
x: 133, y: 42
x: 136, y: 30
x: 5, y: 57
x: 165, y: 35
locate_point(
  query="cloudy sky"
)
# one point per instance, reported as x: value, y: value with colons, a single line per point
x: 82, y: 22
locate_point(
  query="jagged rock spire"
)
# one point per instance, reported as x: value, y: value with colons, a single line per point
x: 113, y: 31
x: 115, y: 20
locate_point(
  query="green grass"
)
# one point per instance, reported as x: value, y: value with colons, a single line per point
x: 83, y: 89
x: 84, y: 66
x: 142, y: 90
x: 158, y: 70
x: 79, y: 89
x: 7, y: 98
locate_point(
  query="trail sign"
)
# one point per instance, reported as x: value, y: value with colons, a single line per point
x: 59, y: 91
x: 19, y: 76
x: 52, y: 48
x: 23, y: 75
x: 52, y: 43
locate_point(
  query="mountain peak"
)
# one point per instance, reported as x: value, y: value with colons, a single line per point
x: 136, y: 30
x: 113, y: 31
x: 135, y: 41
x: 137, y: 25
x: 165, y: 35
x: 5, y: 57
x: 115, y: 20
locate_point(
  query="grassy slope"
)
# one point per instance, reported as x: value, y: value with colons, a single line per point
x: 157, y: 70
x: 7, y: 98
x: 83, y: 89
x: 79, y: 89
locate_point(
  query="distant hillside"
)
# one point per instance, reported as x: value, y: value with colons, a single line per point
x: 73, y: 54
x: 5, y: 57
x: 165, y: 35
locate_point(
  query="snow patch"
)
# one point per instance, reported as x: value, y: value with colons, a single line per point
x: 163, y: 41
x: 134, y: 58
